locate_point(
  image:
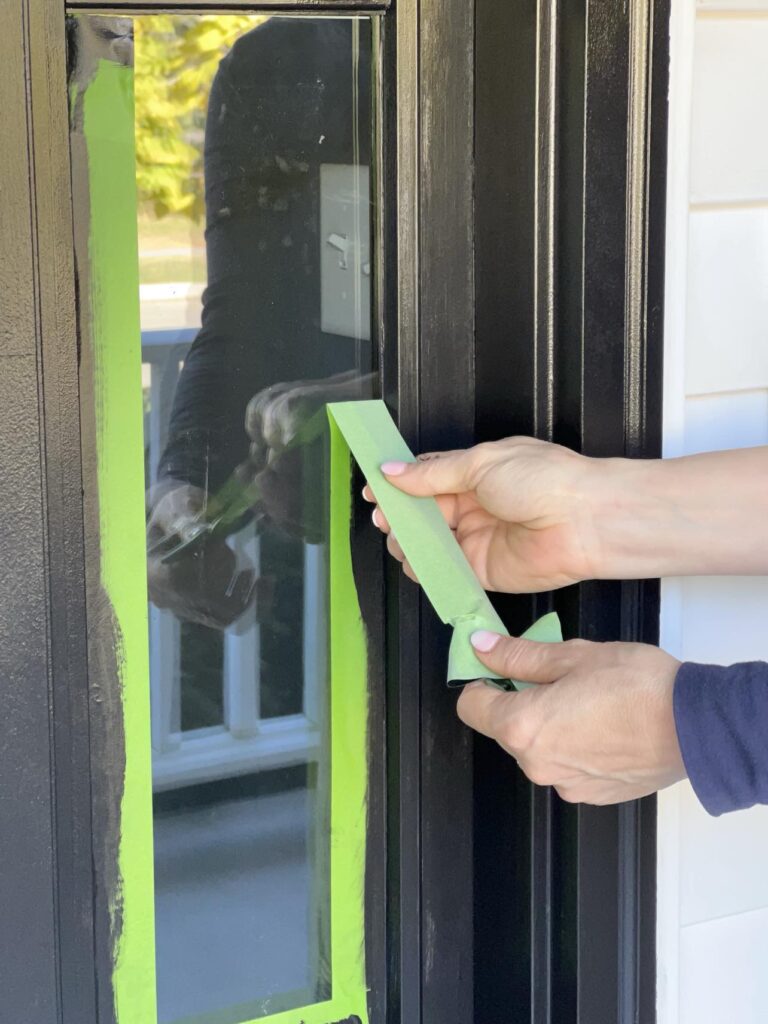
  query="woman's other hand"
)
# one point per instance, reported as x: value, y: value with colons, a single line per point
x: 598, y: 726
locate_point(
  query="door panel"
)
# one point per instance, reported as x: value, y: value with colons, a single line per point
x: 473, y: 896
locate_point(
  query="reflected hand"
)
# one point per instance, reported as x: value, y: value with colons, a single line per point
x: 275, y: 415
x: 274, y: 418
x: 600, y: 725
x: 524, y: 511
x: 205, y: 584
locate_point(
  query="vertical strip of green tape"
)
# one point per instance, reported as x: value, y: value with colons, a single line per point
x: 349, y: 748
x: 116, y: 331
x: 349, y: 766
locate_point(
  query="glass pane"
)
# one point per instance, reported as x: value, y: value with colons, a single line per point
x: 249, y: 270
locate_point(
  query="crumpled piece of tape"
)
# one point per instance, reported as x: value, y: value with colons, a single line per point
x: 369, y: 432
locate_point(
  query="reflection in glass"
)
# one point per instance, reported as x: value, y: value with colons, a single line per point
x: 253, y: 149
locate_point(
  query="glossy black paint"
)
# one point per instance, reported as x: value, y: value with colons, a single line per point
x: 571, y: 150
x: 446, y: 420
x: 490, y: 111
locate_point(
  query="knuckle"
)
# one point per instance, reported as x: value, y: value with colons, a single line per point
x: 464, y: 706
x: 527, y: 661
x: 578, y: 647
x: 568, y: 794
x: 393, y: 547
x: 539, y: 774
x: 517, y: 734
x: 599, y: 800
x: 484, y: 448
x: 482, y: 454
x: 513, y: 655
x: 479, y: 458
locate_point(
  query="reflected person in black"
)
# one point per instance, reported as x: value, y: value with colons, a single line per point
x: 291, y: 96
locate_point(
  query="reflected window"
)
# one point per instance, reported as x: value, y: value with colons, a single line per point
x: 253, y: 266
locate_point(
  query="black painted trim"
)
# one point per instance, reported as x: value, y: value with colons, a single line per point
x: 401, y: 369
x: 433, y: 957
x: 571, y: 155
x: 72, y: 768
x: 47, y: 967
x: 446, y: 382
x: 370, y: 577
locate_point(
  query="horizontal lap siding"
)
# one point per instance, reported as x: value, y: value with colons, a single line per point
x: 723, y: 971
x: 713, y: 886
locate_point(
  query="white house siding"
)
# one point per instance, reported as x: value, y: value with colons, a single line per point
x: 713, y: 873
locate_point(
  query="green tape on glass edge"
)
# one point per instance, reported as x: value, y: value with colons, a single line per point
x: 108, y: 125
x: 113, y: 257
x: 429, y: 545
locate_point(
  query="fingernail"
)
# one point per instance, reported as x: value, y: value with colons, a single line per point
x: 483, y: 640
x: 393, y: 468
x: 375, y: 518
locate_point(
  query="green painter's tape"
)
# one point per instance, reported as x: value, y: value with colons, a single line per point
x: 113, y: 257
x: 429, y: 545
x: 349, y: 754
x: 349, y: 768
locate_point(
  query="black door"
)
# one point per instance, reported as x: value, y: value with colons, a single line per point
x: 249, y: 798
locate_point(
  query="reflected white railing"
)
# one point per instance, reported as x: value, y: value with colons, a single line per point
x: 244, y: 742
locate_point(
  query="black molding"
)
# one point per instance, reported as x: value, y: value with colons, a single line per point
x: 446, y: 382
x: 370, y: 568
x: 47, y: 968
x: 400, y: 389
x: 28, y: 967
x: 72, y: 768
x: 431, y: 384
x: 571, y: 155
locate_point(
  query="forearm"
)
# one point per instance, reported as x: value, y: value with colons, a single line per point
x: 693, y: 516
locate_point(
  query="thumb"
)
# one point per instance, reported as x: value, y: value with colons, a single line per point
x: 527, y: 660
x: 437, y: 473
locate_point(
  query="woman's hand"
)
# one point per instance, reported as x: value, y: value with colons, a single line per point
x: 524, y: 511
x: 533, y: 516
x: 599, y: 727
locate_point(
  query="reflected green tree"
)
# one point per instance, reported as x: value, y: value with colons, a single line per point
x: 176, y: 57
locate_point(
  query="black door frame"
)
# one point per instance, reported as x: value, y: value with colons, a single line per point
x: 492, y: 111
x: 571, y: 183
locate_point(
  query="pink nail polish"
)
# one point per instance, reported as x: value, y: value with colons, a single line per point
x: 375, y: 518
x: 483, y: 640
x: 393, y: 468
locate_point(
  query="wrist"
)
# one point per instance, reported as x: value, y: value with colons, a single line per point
x: 634, y: 517
x: 697, y: 515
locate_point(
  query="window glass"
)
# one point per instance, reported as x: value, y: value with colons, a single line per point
x: 222, y: 177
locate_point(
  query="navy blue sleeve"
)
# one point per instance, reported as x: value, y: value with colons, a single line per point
x: 721, y: 715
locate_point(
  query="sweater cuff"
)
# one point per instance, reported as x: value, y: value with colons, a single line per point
x: 721, y: 716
